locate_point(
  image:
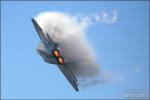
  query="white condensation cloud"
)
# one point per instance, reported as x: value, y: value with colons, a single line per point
x: 106, y: 17
x: 103, y: 17
x: 70, y: 32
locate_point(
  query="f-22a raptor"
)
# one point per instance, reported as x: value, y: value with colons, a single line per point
x: 51, y: 54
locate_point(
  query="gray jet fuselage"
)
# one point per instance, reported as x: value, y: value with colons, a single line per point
x: 50, y: 52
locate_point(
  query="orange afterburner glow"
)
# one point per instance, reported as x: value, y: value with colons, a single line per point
x: 56, y: 53
x: 61, y: 60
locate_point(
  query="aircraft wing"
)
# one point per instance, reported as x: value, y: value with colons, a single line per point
x: 69, y: 76
x: 39, y: 31
x: 45, y: 38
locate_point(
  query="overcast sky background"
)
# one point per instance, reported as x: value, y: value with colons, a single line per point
x: 120, y: 41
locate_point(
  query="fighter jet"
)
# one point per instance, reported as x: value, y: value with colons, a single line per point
x: 51, y: 53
